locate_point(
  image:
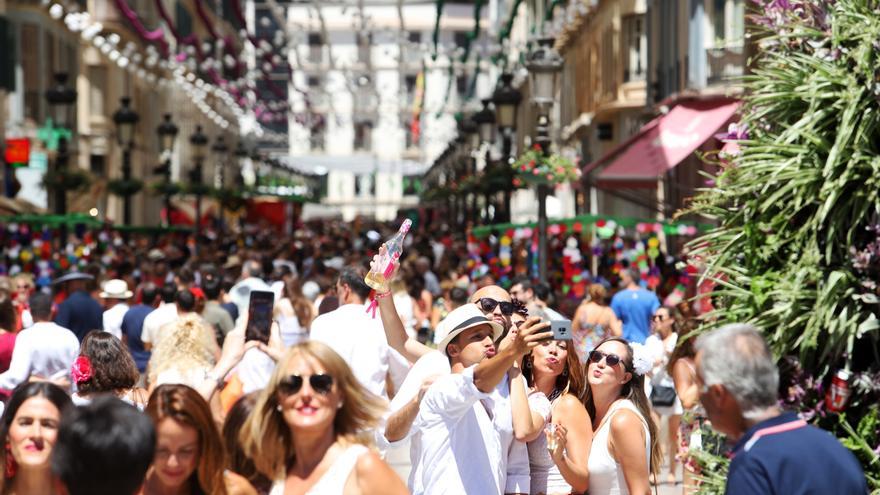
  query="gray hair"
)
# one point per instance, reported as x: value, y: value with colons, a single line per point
x: 737, y: 356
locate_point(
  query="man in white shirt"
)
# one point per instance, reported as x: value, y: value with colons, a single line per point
x: 159, y: 317
x: 356, y: 336
x: 456, y: 443
x: 44, y: 351
x: 115, y: 293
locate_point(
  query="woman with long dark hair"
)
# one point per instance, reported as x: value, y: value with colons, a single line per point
x: 294, y: 313
x: 557, y: 459
x: 625, y: 448
x: 104, y: 366
x: 29, y: 428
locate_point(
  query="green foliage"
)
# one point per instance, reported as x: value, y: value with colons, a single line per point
x: 124, y: 188
x: 71, y: 179
x: 798, y: 208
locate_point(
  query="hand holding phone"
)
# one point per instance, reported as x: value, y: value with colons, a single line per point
x: 259, y: 323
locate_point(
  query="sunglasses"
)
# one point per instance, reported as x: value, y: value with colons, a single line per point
x: 610, y: 359
x: 292, y: 384
x: 488, y: 304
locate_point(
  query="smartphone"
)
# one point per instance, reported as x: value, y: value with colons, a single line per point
x: 259, y: 323
x: 561, y: 329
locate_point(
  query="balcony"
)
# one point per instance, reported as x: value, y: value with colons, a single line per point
x: 725, y: 63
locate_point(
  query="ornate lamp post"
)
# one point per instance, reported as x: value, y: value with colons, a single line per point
x: 167, y: 132
x: 506, y: 99
x: 199, y: 143
x: 469, y: 136
x: 544, y: 65
x: 62, y: 103
x: 126, y: 119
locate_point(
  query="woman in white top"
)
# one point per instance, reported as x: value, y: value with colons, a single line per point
x: 294, y: 313
x: 665, y: 325
x: 307, y: 429
x: 553, y: 370
x: 625, y: 447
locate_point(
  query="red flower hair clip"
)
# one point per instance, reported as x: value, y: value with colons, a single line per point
x: 81, y: 371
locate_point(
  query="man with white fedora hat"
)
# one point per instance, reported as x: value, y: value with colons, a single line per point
x: 115, y: 294
x: 456, y: 440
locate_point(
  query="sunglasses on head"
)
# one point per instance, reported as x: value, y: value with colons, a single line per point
x: 292, y: 384
x: 610, y: 359
x: 488, y: 304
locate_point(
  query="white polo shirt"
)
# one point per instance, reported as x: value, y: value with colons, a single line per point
x: 46, y: 350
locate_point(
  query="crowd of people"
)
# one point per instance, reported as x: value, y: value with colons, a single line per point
x: 130, y: 372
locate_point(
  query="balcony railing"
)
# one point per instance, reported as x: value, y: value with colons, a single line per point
x: 725, y: 63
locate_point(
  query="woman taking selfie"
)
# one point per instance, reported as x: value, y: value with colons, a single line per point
x: 306, y: 432
x: 30, y: 427
x: 625, y: 447
x: 557, y: 458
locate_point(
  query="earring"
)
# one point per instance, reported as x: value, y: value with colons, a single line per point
x: 11, y: 465
x: 278, y: 408
x: 565, y: 373
x: 339, y: 406
x: 527, y: 364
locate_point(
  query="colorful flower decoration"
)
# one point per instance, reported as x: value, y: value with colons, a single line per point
x: 535, y: 167
x: 81, y: 371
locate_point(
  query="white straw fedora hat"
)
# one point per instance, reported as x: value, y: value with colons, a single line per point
x: 462, y: 318
x: 115, y: 289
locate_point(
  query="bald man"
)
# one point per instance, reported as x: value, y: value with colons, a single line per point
x: 495, y: 303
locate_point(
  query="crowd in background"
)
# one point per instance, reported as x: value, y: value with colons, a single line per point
x: 445, y: 369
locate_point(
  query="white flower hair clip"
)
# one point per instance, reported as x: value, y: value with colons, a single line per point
x: 642, y: 362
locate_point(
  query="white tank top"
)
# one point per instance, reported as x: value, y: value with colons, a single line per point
x: 606, y: 475
x: 333, y: 481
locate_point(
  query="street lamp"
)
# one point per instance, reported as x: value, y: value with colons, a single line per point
x: 544, y: 65
x: 167, y: 132
x: 506, y: 99
x: 125, y: 119
x: 62, y: 103
x: 199, y: 142
x: 485, y: 120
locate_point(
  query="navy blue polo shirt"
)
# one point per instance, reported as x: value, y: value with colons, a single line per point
x: 801, y: 461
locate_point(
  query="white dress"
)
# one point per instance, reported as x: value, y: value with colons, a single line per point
x: 333, y: 481
x: 546, y: 477
x: 606, y: 475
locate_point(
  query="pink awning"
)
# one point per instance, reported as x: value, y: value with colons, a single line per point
x: 665, y: 141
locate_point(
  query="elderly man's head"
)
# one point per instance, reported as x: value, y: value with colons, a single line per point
x: 738, y: 377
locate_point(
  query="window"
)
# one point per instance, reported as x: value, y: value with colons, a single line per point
x: 316, y: 48
x: 461, y: 85
x: 728, y: 19
x: 364, y: 45
x: 635, y: 44
x: 410, y: 82
x: 460, y: 38
x: 317, y: 127
x: 363, y: 133
x: 31, y: 70
x: 415, y: 36
x: 97, y: 89
x: 313, y: 82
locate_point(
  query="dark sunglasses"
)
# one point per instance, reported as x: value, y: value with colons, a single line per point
x: 292, y: 384
x: 610, y: 359
x: 488, y: 304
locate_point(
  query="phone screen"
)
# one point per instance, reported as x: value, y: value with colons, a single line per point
x: 561, y: 329
x: 259, y: 321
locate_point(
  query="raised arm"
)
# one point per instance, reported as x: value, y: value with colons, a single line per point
x: 395, y: 333
x: 527, y: 422
x: 489, y: 373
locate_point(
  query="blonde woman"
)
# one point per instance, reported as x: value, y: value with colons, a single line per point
x: 185, y: 355
x: 307, y: 430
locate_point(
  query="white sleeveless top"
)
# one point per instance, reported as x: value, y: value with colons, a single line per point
x: 333, y: 481
x: 606, y: 475
x: 546, y: 477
